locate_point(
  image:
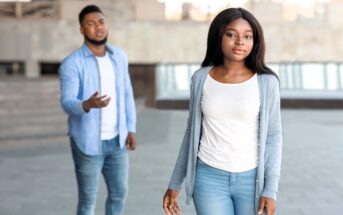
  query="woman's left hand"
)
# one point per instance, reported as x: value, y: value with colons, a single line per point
x: 267, y: 204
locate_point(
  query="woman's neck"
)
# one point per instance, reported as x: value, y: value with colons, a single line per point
x: 232, y: 72
x: 234, y: 68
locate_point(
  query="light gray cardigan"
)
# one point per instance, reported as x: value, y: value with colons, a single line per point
x: 270, y: 138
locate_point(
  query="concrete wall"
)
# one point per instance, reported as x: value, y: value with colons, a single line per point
x: 147, y: 38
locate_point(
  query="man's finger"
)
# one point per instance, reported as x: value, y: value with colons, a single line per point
x: 102, y: 98
x: 101, y: 102
x: 131, y: 144
x: 95, y: 94
x: 106, y: 101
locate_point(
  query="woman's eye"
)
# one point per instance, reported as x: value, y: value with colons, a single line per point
x: 248, y: 37
x: 231, y: 35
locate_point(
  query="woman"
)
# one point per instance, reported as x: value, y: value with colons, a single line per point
x: 230, y: 155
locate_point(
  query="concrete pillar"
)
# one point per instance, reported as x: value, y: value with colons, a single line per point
x: 334, y: 19
x: 32, y: 68
x: 18, y: 10
x: 267, y: 13
x: 148, y: 10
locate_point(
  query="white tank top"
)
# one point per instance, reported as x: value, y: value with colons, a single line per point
x: 230, y: 125
x: 109, y: 113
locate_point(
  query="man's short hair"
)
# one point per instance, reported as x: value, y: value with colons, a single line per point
x: 88, y: 9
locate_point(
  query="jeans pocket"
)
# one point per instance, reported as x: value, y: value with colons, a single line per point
x: 201, y: 163
x: 250, y: 173
x: 75, y: 149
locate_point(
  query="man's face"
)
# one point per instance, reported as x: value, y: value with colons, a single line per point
x: 94, y: 28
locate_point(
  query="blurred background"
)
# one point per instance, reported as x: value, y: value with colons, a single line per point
x: 165, y: 41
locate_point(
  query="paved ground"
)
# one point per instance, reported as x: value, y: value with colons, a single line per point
x: 36, y: 170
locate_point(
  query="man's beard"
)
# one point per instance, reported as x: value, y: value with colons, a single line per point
x: 96, y: 42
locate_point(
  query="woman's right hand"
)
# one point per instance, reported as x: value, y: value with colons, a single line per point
x: 170, y: 205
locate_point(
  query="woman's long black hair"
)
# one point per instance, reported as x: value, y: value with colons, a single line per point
x: 214, y: 54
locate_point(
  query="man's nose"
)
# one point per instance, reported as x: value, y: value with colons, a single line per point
x: 98, y: 26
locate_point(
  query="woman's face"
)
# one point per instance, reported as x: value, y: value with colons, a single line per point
x: 237, y: 40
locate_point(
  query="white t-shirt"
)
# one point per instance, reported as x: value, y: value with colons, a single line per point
x: 230, y: 125
x: 107, y: 87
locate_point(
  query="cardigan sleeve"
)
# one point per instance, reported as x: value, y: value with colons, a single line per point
x: 180, y: 168
x: 273, y: 151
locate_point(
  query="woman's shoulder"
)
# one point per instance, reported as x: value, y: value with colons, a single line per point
x: 201, y: 72
x: 270, y: 78
x: 270, y: 81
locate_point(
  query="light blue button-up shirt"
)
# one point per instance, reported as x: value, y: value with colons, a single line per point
x: 79, y: 80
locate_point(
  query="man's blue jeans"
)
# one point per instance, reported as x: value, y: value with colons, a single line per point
x: 223, y: 193
x: 114, y: 166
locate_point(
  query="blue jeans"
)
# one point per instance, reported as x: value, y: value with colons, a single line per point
x: 114, y: 166
x: 223, y: 193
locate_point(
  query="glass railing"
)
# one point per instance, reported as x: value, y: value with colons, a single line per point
x: 173, y: 80
x: 309, y: 76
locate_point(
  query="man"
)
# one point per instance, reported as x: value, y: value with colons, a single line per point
x: 96, y: 93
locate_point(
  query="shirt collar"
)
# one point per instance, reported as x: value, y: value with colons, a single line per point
x: 87, y: 52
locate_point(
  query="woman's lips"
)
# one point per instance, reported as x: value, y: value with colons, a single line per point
x: 238, y: 51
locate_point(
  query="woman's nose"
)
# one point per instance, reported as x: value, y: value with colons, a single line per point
x: 239, y: 41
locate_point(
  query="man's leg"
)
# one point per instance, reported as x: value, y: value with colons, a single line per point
x: 116, y: 174
x: 87, y: 169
